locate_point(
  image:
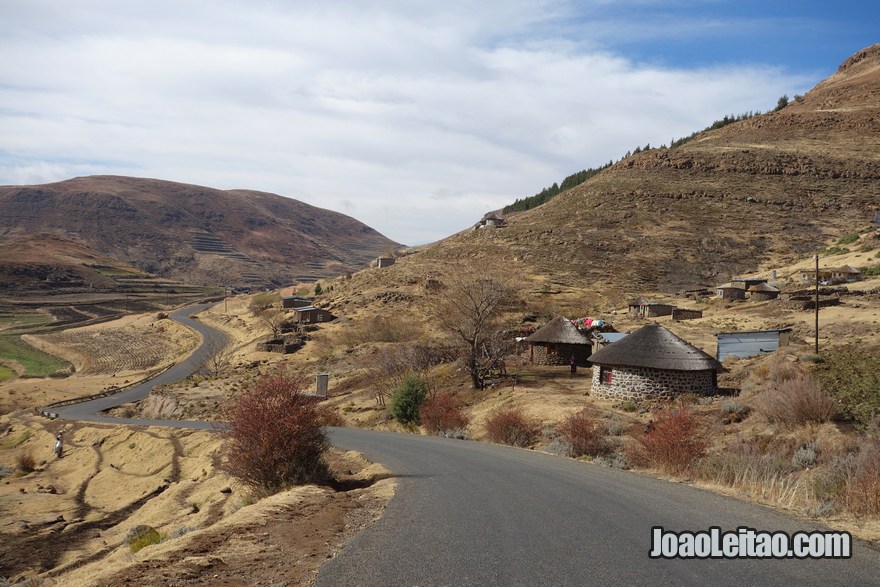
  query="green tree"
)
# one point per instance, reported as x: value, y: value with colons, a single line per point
x: 781, y: 103
x: 318, y: 289
x: 408, y: 399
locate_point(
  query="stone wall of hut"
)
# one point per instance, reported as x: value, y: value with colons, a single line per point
x: 559, y: 354
x: 638, y: 383
x: 763, y: 296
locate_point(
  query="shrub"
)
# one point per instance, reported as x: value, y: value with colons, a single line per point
x: 806, y: 456
x: 734, y: 412
x: 674, y: 444
x: 510, y: 426
x: 848, y: 238
x: 442, y: 412
x: 274, y: 437
x: 796, y: 401
x: 408, y: 399
x: 25, y: 461
x: 863, y: 482
x: 585, y: 436
x: 782, y: 370
x: 146, y: 538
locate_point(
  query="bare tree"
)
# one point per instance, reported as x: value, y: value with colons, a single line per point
x: 392, y: 364
x: 469, y: 309
x: 218, y: 356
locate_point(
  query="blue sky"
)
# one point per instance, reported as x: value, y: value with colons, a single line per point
x: 392, y: 112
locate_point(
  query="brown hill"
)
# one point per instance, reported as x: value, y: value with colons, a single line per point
x: 186, y: 232
x: 763, y: 191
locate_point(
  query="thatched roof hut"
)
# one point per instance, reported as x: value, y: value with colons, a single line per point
x: 557, y: 342
x: 652, y: 362
x: 763, y: 291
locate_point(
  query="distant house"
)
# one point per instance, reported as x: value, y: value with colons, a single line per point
x: 645, y: 309
x: 490, y: 220
x: 747, y: 282
x: 292, y: 301
x: 845, y: 274
x: 652, y: 362
x: 731, y: 292
x: 751, y: 343
x: 383, y: 262
x: 762, y: 292
x: 311, y: 315
x: 557, y: 342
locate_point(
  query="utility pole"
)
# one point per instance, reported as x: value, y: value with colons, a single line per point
x: 816, y: 257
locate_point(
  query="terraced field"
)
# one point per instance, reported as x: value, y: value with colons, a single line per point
x: 115, y: 350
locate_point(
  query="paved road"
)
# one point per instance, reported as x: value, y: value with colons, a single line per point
x: 91, y: 411
x: 469, y: 513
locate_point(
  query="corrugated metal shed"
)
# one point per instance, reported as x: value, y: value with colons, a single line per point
x: 750, y: 344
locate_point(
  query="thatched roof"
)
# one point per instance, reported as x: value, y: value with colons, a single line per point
x: 560, y: 331
x: 655, y: 347
x: 640, y: 301
x: 730, y: 286
x: 766, y: 287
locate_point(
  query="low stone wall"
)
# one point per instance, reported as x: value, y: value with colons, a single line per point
x: 683, y: 314
x: 637, y: 383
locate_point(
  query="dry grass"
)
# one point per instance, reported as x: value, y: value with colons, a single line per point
x: 796, y: 401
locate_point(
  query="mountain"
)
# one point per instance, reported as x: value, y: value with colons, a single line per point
x: 765, y: 190
x: 186, y: 232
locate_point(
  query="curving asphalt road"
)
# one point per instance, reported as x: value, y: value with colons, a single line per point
x: 90, y: 411
x: 470, y: 513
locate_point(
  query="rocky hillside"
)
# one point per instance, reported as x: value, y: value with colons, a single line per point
x: 759, y: 192
x: 185, y: 232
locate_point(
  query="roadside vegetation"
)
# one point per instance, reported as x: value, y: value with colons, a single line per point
x: 274, y: 438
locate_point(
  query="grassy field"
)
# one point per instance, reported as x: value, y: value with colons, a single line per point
x: 6, y: 373
x: 11, y: 320
x: 36, y: 362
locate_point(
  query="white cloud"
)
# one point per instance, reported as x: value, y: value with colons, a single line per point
x: 391, y: 112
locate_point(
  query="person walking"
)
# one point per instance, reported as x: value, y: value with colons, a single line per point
x: 58, y: 446
x: 574, y: 366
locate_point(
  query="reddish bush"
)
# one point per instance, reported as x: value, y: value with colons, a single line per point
x: 673, y: 443
x: 274, y: 438
x: 510, y: 426
x: 584, y: 435
x: 796, y: 401
x: 863, y: 482
x: 442, y: 412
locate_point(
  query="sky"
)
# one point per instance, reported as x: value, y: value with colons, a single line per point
x: 414, y: 117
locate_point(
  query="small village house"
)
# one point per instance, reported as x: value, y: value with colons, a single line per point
x: 651, y: 363
x: 383, y: 262
x: 751, y: 343
x: 490, y: 220
x: 645, y: 309
x: 557, y: 342
x: 845, y: 274
x: 293, y: 301
x: 311, y: 315
x: 731, y: 292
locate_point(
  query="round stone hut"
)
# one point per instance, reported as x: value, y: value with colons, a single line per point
x: 762, y: 291
x: 652, y: 363
x: 556, y: 342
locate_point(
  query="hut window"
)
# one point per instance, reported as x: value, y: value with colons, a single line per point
x: 320, y: 317
x: 606, y: 374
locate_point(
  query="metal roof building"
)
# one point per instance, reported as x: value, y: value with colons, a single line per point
x: 751, y: 343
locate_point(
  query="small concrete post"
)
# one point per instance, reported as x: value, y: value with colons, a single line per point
x: 321, y: 384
